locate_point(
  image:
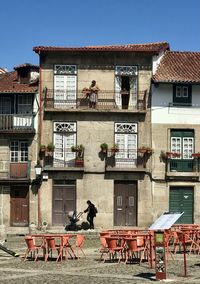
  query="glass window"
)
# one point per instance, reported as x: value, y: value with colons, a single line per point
x: 182, y: 95
x: 25, y: 104
x: 19, y: 151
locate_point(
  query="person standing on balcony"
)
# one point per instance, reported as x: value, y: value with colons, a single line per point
x: 94, y: 89
x: 91, y: 213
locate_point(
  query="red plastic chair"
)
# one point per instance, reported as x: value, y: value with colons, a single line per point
x: 52, y: 246
x: 67, y: 246
x: 104, y: 249
x: 32, y: 248
x: 80, y: 239
x: 115, y: 249
x: 135, y: 248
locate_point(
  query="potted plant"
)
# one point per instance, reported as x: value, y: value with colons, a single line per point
x: 115, y: 149
x: 142, y: 150
x: 79, y: 162
x: 77, y: 148
x: 149, y: 150
x: 50, y: 147
x: 104, y: 147
x: 42, y: 148
x: 173, y: 154
x: 163, y: 156
x: 196, y: 155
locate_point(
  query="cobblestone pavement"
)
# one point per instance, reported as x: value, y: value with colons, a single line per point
x: 88, y: 270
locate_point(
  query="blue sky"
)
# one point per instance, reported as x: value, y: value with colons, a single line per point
x: 25, y: 24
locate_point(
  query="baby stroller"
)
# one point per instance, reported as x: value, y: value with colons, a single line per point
x: 73, y: 218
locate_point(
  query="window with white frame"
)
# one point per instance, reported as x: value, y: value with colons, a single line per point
x: 65, y: 80
x: 64, y: 139
x: 126, y: 139
x: 182, y: 95
x: 19, y: 151
x: 126, y: 86
x: 182, y: 143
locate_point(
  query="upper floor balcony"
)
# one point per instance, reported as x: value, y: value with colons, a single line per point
x: 58, y: 100
x: 126, y: 160
x: 14, y: 171
x: 17, y: 123
x: 183, y: 168
x: 123, y: 160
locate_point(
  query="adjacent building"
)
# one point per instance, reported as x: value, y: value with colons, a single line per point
x: 19, y: 107
x: 175, y: 119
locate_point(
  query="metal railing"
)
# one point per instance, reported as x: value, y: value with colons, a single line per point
x: 16, y: 121
x: 125, y: 159
x: 15, y: 170
x: 121, y: 159
x: 183, y: 165
x: 64, y: 159
x: 107, y: 100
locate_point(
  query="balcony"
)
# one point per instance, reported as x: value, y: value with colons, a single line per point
x: 64, y: 160
x: 107, y: 100
x: 183, y: 168
x: 126, y: 160
x: 16, y: 123
x: 13, y: 171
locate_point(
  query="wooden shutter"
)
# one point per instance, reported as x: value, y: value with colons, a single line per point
x: 118, y: 96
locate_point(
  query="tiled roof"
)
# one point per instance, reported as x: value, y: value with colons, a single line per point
x: 10, y: 84
x: 180, y: 67
x: 25, y: 65
x: 147, y: 47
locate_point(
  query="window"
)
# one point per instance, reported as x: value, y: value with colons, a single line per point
x: 64, y: 139
x: 182, y: 95
x: 5, y: 105
x: 65, y: 85
x: 126, y: 138
x: 25, y: 104
x: 182, y: 143
x: 126, y: 86
x: 18, y: 151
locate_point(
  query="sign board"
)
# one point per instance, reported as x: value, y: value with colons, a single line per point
x: 165, y: 221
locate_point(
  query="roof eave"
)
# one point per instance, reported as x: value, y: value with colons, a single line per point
x: 176, y: 82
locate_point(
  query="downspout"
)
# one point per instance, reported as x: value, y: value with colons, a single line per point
x: 40, y: 137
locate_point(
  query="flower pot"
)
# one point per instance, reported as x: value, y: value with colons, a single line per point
x: 104, y: 150
x: 142, y: 151
x: 79, y: 163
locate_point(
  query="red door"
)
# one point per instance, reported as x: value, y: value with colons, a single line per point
x: 19, y: 196
x: 125, y: 203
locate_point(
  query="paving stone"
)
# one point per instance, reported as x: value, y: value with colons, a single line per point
x: 88, y: 270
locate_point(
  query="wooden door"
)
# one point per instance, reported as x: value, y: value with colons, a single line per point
x: 125, y: 204
x: 64, y: 201
x: 181, y: 199
x: 19, y: 206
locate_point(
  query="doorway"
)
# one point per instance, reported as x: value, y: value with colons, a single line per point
x: 64, y: 201
x: 125, y: 203
x: 181, y: 199
x: 19, y: 208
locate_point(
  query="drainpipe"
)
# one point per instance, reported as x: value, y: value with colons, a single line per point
x: 40, y: 138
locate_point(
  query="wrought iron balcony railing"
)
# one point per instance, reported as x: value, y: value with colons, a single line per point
x: 107, y: 100
x: 183, y: 165
x: 126, y: 159
x: 14, y: 170
x: 64, y: 159
x: 12, y: 122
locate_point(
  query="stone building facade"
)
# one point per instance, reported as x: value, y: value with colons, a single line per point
x: 19, y: 105
x: 117, y: 182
